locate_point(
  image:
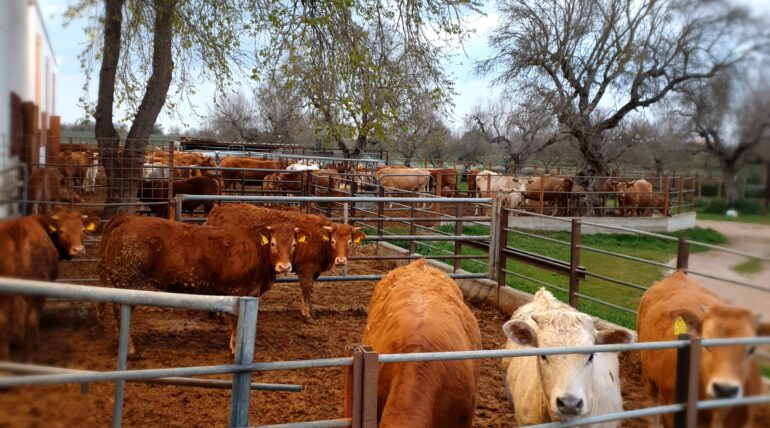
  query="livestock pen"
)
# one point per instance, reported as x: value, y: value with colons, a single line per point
x: 475, y: 246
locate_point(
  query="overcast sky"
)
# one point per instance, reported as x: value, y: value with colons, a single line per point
x: 68, y: 42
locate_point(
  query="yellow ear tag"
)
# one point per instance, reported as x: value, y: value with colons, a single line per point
x: 326, y: 238
x: 52, y: 228
x: 264, y: 240
x: 91, y: 227
x: 302, y: 239
x: 680, y: 327
x: 357, y: 240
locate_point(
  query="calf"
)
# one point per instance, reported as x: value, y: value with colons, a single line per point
x: 489, y: 184
x: 32, y: 247
x: 328, y: 243
x: 557, y: 388
x: 256, y: 170
x: 555, y: 189
x: 725, y: 371
x: 448, y: 178
x: 153, y: 253
x: 416, y: 308
x: 635, y: 197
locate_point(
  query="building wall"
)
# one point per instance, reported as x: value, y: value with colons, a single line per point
x: 28, y: 70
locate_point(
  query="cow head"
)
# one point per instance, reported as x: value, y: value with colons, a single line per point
x: 565, y: 379
x: 281, y: 241
x: 724, y: 369
x: 339, y: 237
x: 66, y: 231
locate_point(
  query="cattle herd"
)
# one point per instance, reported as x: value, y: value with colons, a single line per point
x: 242, y: 249
x: 77, y: 174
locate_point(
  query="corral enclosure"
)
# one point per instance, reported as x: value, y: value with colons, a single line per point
x: 479, y: 239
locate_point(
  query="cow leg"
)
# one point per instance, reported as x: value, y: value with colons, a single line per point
x: 6, y: 326
x: 306, y: 287
x: 33, y: 311
x: 116, y: 314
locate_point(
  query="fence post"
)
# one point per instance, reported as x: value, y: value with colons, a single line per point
x: 353, y: 381
x: 381, y: 210
x: 458, y: 231
x: 687, y: 382
x: 125, y: 326
x: 439, y: 184
x: 682, y: 253
x: 171, y: 180
x: 574, y: 264
x: 679, y: 196
x: 245, y: 338
x: 353, y: 191
x: 369, y: 387
x: 412, y: 229
x: 502, y: 242
x: 666, y: 198
x: 494, y: 222
x: 542, y: 194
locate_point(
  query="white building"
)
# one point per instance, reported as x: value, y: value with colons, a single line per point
x: 28, y: 71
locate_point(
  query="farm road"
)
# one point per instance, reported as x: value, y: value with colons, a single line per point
x: 750, y: 238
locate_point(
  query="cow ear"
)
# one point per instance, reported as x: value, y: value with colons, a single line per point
x: 763, y: 329
x: 692, y: 322
x: 520, y: 332
x: 301, y: 236
x: 358, y: 236
x: 263, y: 239
x: 613, y: 337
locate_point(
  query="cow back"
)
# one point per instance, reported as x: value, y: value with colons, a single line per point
x: 416, y: 308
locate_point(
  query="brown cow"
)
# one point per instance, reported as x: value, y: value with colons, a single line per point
x: 73, y: 166
x: 232, y: 177
x: 725, y: 372
x: 448, y: 180
x: 32, y: 247
x: 328, y: 243
x: 45, y: 191
x: 152, y: 253
x: 635, y: 197
x: 157, y: 191
x: 417, y: 308
x: 471, y: 180
x: 555, y: 189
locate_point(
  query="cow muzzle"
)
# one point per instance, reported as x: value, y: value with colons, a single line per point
x: 340, y: 261
x: 570, y: 405
x: 77, y: 249
x: 283, y: 268
x: 724, y: 389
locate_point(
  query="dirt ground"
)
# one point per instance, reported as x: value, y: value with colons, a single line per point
x: 72, y: 337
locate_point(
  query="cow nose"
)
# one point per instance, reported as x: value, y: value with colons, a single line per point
x: 726, y: 390
x: 341, y: 261
x: 281, y: 268
x: 569, y: 405
x: 77, y: 249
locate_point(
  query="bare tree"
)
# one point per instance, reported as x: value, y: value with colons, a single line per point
x: 233, y: 117
x: 732, y: 122
x: 522, y: 130
x: 282, y: 115
x: 619, y: 55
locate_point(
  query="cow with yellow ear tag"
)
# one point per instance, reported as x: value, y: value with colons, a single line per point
x: 325, y: 246
x: 31, y: 248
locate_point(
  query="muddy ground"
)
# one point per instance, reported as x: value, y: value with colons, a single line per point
x: 72, y: 337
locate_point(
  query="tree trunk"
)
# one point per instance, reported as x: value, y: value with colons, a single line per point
x: 358, y: 150
x: 107, y: 136
x: 594, y: 164
x: 730, y: 177
x: 152, y: 101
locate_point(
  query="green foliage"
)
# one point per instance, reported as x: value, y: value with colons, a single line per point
x: 748, y: 267
x: 719, y: 206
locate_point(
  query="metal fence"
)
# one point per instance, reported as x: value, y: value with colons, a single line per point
x: 361, y: 373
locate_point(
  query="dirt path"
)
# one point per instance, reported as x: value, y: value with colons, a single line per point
x: 750, y: 238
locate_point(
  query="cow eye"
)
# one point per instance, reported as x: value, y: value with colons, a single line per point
x: 751, y: 350
x: 543, y: 358
x: 590, y: 359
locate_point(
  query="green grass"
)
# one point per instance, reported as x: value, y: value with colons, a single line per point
x: 630, y: 271
x: 747, y: 218
x: 765, y: 372
x: 748, y: 267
